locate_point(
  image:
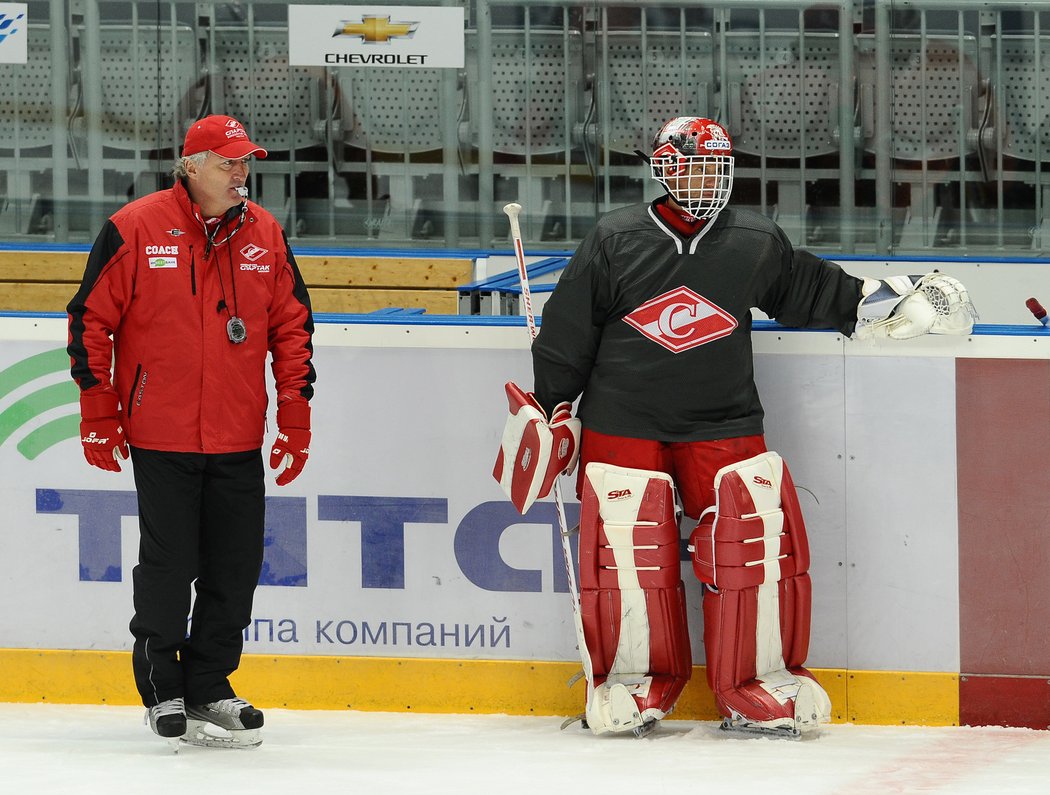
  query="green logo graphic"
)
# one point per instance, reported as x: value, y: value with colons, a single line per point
x: 36, y: 403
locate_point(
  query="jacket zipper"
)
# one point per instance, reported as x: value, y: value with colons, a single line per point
x: 134, y: 385
x: 193, y: 272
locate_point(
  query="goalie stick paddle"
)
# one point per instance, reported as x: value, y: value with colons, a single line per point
x: 513, y: 210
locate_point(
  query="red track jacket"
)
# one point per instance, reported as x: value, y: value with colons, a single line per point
x: 159, y: 295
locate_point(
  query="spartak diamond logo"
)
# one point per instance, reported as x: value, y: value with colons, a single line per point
x: 252, y: 252
x: 681, y: 319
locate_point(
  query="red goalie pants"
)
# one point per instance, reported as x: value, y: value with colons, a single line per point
x: 692, y: 464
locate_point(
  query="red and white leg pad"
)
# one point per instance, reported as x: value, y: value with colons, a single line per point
x: 632, y: 600
x: 751, y: 550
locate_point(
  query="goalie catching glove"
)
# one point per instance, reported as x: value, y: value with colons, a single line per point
x: 535, y: 450
x: 902, y: 307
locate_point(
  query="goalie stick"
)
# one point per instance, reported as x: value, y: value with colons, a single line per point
x: 513, y: 210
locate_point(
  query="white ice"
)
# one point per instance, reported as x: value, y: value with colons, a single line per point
x: 84, y: 750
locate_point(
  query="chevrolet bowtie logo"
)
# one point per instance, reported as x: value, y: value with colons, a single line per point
x: 377, y: 30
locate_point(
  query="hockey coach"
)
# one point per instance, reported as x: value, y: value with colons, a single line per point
x: 185, y: 293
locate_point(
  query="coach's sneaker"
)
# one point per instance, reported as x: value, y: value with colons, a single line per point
x: 168, y: 718
x: 238, y: 719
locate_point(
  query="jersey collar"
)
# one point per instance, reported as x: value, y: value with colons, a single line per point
x: 681, y: 240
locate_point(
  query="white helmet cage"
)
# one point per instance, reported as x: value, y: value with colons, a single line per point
x: 693, y: 159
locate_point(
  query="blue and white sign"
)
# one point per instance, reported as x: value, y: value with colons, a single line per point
x: 14, y: 19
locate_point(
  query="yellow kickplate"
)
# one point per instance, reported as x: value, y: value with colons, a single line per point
x: 513, y: 687
x: 894, y: 698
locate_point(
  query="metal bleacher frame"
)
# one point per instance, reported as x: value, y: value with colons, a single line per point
x: 411, y: 119
x: 85, y: 119
x: 935, y: 115
x: 125, y: 64
x: 784, y: 92
x: 501, y: 294
x: 530, y: 85
x: 1020, y: 125
x: 158, y: 67
x: 287, y: 107
x: 645, y: 77
x: 721, y: 92
x: 36, y: 101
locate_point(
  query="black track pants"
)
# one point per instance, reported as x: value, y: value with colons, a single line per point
x: 201, y: 517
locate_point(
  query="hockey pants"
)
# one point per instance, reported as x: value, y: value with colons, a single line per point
x: 201, y: 518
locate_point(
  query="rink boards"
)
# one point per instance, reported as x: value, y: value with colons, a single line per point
x: 397, y: 576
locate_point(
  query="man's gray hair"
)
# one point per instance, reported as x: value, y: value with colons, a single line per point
x: 179, y: 169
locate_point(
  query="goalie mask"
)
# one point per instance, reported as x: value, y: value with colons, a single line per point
x: 693, y: 159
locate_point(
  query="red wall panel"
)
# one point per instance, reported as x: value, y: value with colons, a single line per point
x: 1004, y: 701
x: 1003, y: 433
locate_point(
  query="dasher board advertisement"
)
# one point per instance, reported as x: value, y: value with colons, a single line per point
x: 396, y: 541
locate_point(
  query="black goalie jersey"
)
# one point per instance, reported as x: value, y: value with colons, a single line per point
x: 655, y: 329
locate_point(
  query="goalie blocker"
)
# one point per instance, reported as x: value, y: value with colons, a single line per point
x: 533, y: 450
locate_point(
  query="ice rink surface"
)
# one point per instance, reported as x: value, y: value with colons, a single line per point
x: 85, y: 750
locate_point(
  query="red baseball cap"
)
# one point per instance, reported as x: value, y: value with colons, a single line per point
x: 222, y: 135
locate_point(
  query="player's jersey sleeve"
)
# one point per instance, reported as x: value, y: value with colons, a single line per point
x: 812, y: 293
x: 571, y: 327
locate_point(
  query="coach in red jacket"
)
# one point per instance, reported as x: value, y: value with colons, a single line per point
x: 185, y: 293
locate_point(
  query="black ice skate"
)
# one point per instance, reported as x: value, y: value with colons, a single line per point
x: 229, y: 723
x: 168, y: 720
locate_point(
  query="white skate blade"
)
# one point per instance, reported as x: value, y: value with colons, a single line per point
x: 581, y: 718
x: 208, y: 735
x: 740, y: 726
x: 645, y: 729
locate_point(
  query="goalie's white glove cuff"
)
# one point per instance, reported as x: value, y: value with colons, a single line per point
x: 880, y: 297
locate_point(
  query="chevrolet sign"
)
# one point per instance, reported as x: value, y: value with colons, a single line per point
x: 376, y: 36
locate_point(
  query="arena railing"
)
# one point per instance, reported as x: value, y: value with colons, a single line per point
x: 863, y: 126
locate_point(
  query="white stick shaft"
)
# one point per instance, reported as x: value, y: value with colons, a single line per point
x: 563, y: 526
x: 513, y: 210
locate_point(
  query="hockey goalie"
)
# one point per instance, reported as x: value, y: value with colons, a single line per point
x: 650, y: 327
